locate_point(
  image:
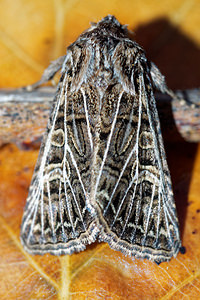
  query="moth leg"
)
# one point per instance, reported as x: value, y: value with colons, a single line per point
x: 49, y: 73
x: 159, y: 81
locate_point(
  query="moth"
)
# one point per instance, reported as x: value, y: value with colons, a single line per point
x: 102, y: 172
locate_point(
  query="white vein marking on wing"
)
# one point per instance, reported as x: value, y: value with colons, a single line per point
x: 67, y: 58
x: 48, y: 141
x: 64, y: 163
x: 65, y: 175
x: 87, y: 119
x: 149, y: 212
x: 50, y: 208
x: 137, y: 162
x: 75, y: 128
x: 61, y: 208
x: 108, y: 143
x: 140, y: 175
x: 166, y: 221
x: 124, y: 197
x: 77, y: 169
x: 130, y: 209
x: 67, y: 204
x: 172, y: 220
x: 74, y: 196
x: 137, y: 214
x: 158, y: 220
x: 126, y: 135
x: 40, y: 176
x: 31, y: 208
x: 33, y: 219
x: 42, y: 213
x: 170, y: 209
x: 157, y: 153
x: 67, y: 148
x: 120, y: 176
x: 137, y: 166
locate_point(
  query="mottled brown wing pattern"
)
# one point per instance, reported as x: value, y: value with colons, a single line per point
x: 55, y: 218
x: 134, y: 199
x: 102, y: 171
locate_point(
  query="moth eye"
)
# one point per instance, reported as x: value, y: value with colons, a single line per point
x: 146, y: 140
x: 58, y: 138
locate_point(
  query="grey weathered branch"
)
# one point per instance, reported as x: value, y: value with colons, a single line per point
x: 23, y: 115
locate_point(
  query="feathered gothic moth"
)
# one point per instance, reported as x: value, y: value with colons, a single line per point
x: 102, y: 173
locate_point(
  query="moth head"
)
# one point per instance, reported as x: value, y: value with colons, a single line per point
x: 111, y: 25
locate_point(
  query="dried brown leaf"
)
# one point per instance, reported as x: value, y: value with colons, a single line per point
x: 31, y: 34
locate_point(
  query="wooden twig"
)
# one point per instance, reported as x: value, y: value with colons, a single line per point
x: 23, y: 115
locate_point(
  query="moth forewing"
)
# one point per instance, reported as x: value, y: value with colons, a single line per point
x: 102, y: 170
x: 138, y: 215
x: 55, y: 217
